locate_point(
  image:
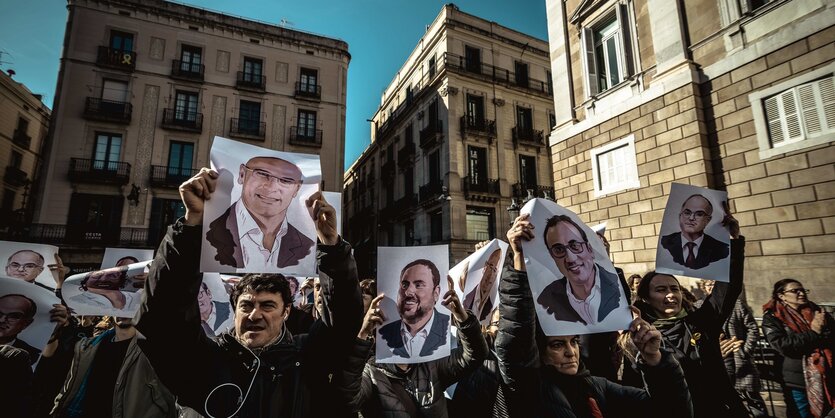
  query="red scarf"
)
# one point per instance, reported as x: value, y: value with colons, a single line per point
x: 818, y: 363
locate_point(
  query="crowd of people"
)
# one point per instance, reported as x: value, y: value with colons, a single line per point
x: 681, y: 356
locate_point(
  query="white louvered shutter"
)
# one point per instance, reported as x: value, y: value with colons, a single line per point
x: 826, y: 88
x: 589, y: 61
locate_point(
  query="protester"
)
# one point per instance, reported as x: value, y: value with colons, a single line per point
x: 803, y: 334
x: 16, y: 383
x: 258, y: 369
x: 414, y: 390
x: 693, y: 334
x: 298, y: 321
x: 368, y: 288
x: 547, y: 375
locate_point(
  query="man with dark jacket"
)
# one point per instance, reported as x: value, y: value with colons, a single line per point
x: 258, y: 369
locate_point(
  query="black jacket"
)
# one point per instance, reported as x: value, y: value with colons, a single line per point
x: 793, y: 346
x: 213, y: 374
x: 538, y: 394
x: 713, y: 394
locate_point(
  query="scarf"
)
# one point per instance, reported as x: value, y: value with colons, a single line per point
x: 677, y: 334
x: 577, y: 389
x: 817, y: 365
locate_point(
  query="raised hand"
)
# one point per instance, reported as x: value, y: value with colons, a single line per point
x: 59, y: 271
x: 324, y: 216
x: 522, y: 229
x: 647, y: 339
x: 451, y: 302
x: 729, y: 221
x: 373, y: 318
x: 479, y: 245
x: 462, y: 280
x: 60, y: 315
x: 818, y: 322
x: 195, y: 191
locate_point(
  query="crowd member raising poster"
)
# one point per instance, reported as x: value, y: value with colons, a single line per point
x: 118, y: 257
x: 418, y: 330
x: 693, y: 241
x: 575, y: 286
x: 256, y: 220
x: 116, y: 291
x: 25, y: 316
x: 478, y: 282
x: 28, y: 262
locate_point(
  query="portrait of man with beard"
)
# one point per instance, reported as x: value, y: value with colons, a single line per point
x: 421, y: 329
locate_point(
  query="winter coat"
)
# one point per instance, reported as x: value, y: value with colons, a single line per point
x: 793, y: 346
x: 740, y: 366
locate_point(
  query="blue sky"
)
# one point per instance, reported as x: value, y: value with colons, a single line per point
x: 380, y: 35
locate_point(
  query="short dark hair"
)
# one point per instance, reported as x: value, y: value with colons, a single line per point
x: 369, y: 287
x: 436, y: 275
x: 262, y: 282
x: 780, y: 287
x: 292, y: 279
x: 554, y: 220
x: 709, y: 205
x: 127, y: 257
x: 33, y: 308
x: 40, y: 257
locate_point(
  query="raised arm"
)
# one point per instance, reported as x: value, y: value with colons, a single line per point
x: 473, y: 348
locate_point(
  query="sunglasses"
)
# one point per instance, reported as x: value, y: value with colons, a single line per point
x: 797, y: 291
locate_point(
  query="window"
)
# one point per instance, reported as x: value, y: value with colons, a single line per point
x: 524, y: 118
x: 249, y: 117
x: 8, y: 200
x: 472, y: 59
x: 22, y: 125
x: 480, y: 224
x: 608, y: 51
x: 114, y: 91
x: 408, y: 182
x: 307, y: 124
x: 191, y: 58
x: 796, y: 114
x: 94, y: 218
x: 121, y: 41
x: 435, y: 167
x: 432, y: 67
x: 436, y: 226
x: 550, y: 82
x: 308, y: 80
x: 527, y: 171
x: 185, y: 106
x: 521, y: 69
x: 180, y: 156
x: 477, y: 165
x: 614, y: 167
x: 552, y: 120
x: 475, y: 110
x: 252, y: 70
x: 107, y: 151
x: 163, y: 212
x: 16, y: 159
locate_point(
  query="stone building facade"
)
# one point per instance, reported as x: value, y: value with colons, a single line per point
x: 143, y: 88
x: 458, y: 137
x: 735, y: 95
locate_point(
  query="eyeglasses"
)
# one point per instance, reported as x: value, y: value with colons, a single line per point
x: 699, y: 214
x: 798, y: 290
x: 576, y: 247
x: 28, y: 266
x: 265, y: 177
x: 11, y: 316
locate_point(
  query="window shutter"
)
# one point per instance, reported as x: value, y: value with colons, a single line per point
x: 775, y: 122
x: 591, y: 67
x: 791, y: 115
x: 626, y: 40
x: 809, y: 108
x: 827, y: 94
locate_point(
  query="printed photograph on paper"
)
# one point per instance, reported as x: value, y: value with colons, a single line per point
x: 476, y: 279
x: 28, y: 262
x: 118, y: 257
x: 24, y: 316
x: 116, y: 291
x: 216, y: 312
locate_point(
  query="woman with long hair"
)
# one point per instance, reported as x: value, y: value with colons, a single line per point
x: 802, y: 333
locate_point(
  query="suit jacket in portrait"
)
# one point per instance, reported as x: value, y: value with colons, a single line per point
x: 436, y: 338
x: 469, y: 300
x: 223, y: 236
x: 34, y: 353
x: 221, y: 314
x: 555, y: 299
x: 711, y: 250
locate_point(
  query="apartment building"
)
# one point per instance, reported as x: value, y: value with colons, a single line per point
x: 24, y: 121
x: 735, y: 95
x: 459, y: 137
x: 143, y: 88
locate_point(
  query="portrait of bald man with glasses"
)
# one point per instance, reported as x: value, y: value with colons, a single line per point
x: 587, y: 293
x: 691, y: 247
x: 479, y: 299
x: 254, y: 233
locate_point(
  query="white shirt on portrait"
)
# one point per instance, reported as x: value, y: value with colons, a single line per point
x: 587, y: 309
x: 256, y: 257
x: 697, y: 241
x: 414, y: 344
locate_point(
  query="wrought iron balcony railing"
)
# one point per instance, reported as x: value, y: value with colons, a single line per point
x: 15, y: 176
x: 520, y: 191
x: 116, y: 58
x: 483, y: 185
x: 430, y: 190
x: 527, y: 135
x: 478, y: 126
x: 21, y: 139
x: 308, y: 91
x: 182, y: 120
x: 107, y: 110
x: 430, y: 134
x: 307, y: 137
x: 248, y: 128
x: 163, y: 176
x: 251, y: 81
x: 99, y: 171
x: 185, y: 70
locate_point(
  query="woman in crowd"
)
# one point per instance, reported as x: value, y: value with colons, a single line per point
x: 693, y: 334
x: 802, y: 332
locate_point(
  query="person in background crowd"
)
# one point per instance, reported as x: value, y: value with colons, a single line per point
x: 694, y: 334
x: 258, y: 369
x: 741, y: 335
x: 313, y: 309
x: 633, y: 282
x: 803, y: 334
x: 414, y: 390
x: 546, y: 373
x: 299, y: 321
x: 368, y: 288
x: 16, y: 384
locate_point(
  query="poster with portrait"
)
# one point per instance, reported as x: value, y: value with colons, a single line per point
x: 414, y: 280
x: 693, y: 242
x: 335, y: 199
x: 25, y: 316
x: 116, y: 291
x: 216, y: 313
x: 575, y: 287
x: 476, y: 279
x: 257, y: 220
x: 28, y: 262
x: 118, y: 257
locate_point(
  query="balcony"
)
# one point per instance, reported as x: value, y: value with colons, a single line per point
x: 170, y: 177
x: 406, y: 155
x: 99, y: 171
x: 492, y: 73
x: 481, y: 189
x: 520, y: 191
x: 406, y: 203
x: 135, y: 237
x: 15, y: 176
x: 107, y: 110
x: 308, y: 91
x: 182, y: 120
x: 251, y: 81
x: 305, y: 137
x: 527, y: 136
x: 476, y: 126
x: 21, y: 139
x: 388, y: 171
x: 116, y: 58
x: 431, y: 190
x: 248, y: 129
x: 430, y: 135
x: 188, y: 71
x: 47, y: 233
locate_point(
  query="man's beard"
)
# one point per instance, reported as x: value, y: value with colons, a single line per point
x: 420, y: 312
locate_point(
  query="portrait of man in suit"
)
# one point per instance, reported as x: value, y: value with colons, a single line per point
x: 478, y: 300
x: 213, y: 314
x: 691, y: 247
x: 421, y: 329
x: 254, y: 232
x: 586, y: 293
x: 25, y: 265
x: 16, y: 313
